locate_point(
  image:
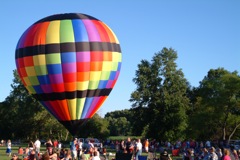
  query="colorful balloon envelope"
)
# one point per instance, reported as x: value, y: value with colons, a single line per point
x: 70, y: 63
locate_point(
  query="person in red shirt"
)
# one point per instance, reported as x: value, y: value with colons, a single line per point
x: 20, y: 150
x: 55, y: 143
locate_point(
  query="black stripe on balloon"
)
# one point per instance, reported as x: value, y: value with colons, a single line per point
x: 72, y: 95
x: 66, y: 16
x: 67, y: 47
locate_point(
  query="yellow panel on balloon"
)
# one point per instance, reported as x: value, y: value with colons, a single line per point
x: 30, y: 71
x: 107, y: 66
x: 72, y: 108
x: 39, y: 60
x: 53, y: 32
x: 82, y: 85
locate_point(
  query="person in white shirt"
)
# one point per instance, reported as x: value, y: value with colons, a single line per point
x: 37, y: 145
x: 138, y: 148
x: 96, y: 157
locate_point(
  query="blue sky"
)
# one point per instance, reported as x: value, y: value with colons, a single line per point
x: 206, y: 35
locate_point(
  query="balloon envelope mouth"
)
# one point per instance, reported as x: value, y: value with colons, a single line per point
x: 74, y: 126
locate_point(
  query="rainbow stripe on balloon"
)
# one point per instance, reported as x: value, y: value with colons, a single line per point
x: 70, y: 63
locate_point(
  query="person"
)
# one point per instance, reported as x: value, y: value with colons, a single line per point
x: 37, y: 145
x: 15, y: 156
x: 49, y: 145
x: 95, y: 156
x: 67, y: 155
x: 80, y: 144
x: 165, y: 156
x: 122, y: 147
x: 188, y: 155
x: 212, y: 154
x: 30, y: 145
x: 129, y: 145
x: 146, y: 145
x: 20, y: 150
x: 59, y: 145
x: 62, y: 153
x: 226, y: 155
x: 26, y: 151
x: 104, y: 153
x: 9, y: 148
x: 95, y: 149
x: 219, y: 153
x: 33, y: 155
x: 235, y: 154
x: 138, y: 148
x: 55, y: 143
x: 53, y: 155
x: 73, y: 149
x: 45, y: 156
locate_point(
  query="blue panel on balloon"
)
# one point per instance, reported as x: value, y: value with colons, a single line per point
x: 87, y: 105
x: 38, y: 89
x: 54, y: 68
x: 102, y: 84
x: 119, y: 66
x: 68, y: 57
x: 80, y: 32
x: 112, y: 75
x: 44, y: 79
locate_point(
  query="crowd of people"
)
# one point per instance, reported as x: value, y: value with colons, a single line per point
x: 55, y: 151
x: 78, y: 150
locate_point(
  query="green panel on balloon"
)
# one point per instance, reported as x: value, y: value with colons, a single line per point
x: 34, y: 81
x: 80, y: 105
x: 93, y: 84
x: 115, y: 66
x: 41, y: 70
x: 54, y: 58
x: 66, y: 31
x: 105, y: 75
x: 31, y: 89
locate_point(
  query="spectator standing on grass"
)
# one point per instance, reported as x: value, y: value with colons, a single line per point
x: 226, y: 155
x: 30, y: 145
x: 219, y: 153
x: 122, y: 147
x: 9, y: 148
x: 73, y: 149
x: 138, y: 148
x: 146, y: 145
x: 212, y: 154
x: 129, y: 145
x: 49, y: 145
x: 37, y: 145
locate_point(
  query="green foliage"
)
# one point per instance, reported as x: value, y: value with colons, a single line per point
x: 217, y: 105
x: 95, y: 127
x: 119, y: 122
x: 161, y: 89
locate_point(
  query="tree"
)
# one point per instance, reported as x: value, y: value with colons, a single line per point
x: 218, y: 103
x: 119, y: 122
x: 161, y: 88
x: 95, y: 127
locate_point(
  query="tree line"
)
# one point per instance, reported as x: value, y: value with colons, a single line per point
x: 164, y: 106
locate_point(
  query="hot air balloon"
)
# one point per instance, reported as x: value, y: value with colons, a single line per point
x: 70, y: 63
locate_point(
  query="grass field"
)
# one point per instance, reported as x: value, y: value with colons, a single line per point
x: 3, y: 155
